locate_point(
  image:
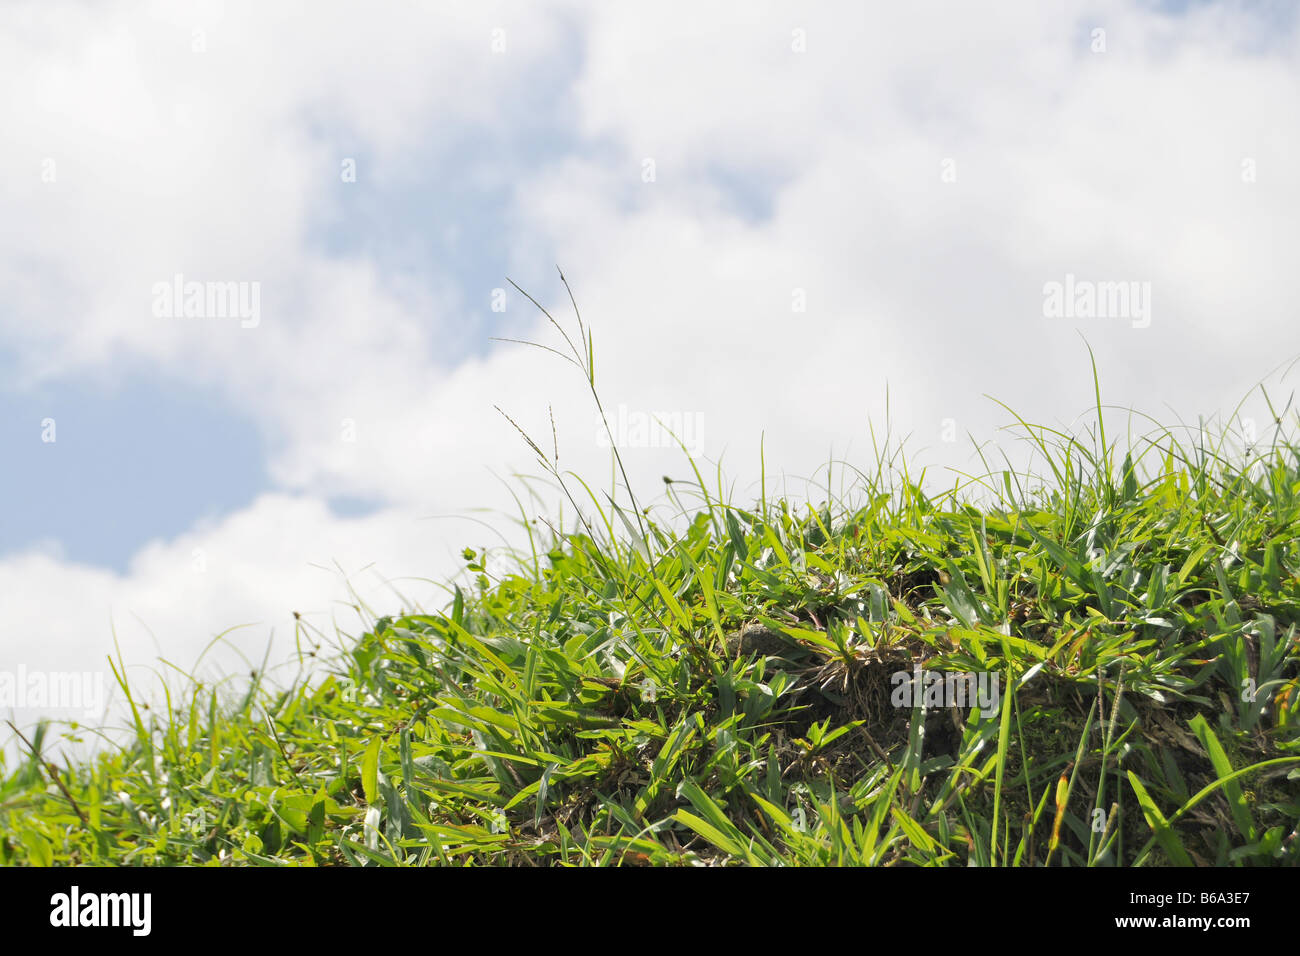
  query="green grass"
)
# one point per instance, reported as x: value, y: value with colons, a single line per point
x: 597, y: 704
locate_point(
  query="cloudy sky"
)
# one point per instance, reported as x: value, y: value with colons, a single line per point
x: 770, y: 214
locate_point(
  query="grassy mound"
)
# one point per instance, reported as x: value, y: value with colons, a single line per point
x: 736, y: 689
x: 729, y: 694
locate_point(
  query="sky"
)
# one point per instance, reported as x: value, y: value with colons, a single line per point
x: 779, y: 220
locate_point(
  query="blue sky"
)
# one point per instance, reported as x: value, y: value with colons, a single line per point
x: 143, y: 460
x: 207, y: 476
x: 144, y: 454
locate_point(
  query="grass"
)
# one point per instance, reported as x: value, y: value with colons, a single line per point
x: 707, y: 684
